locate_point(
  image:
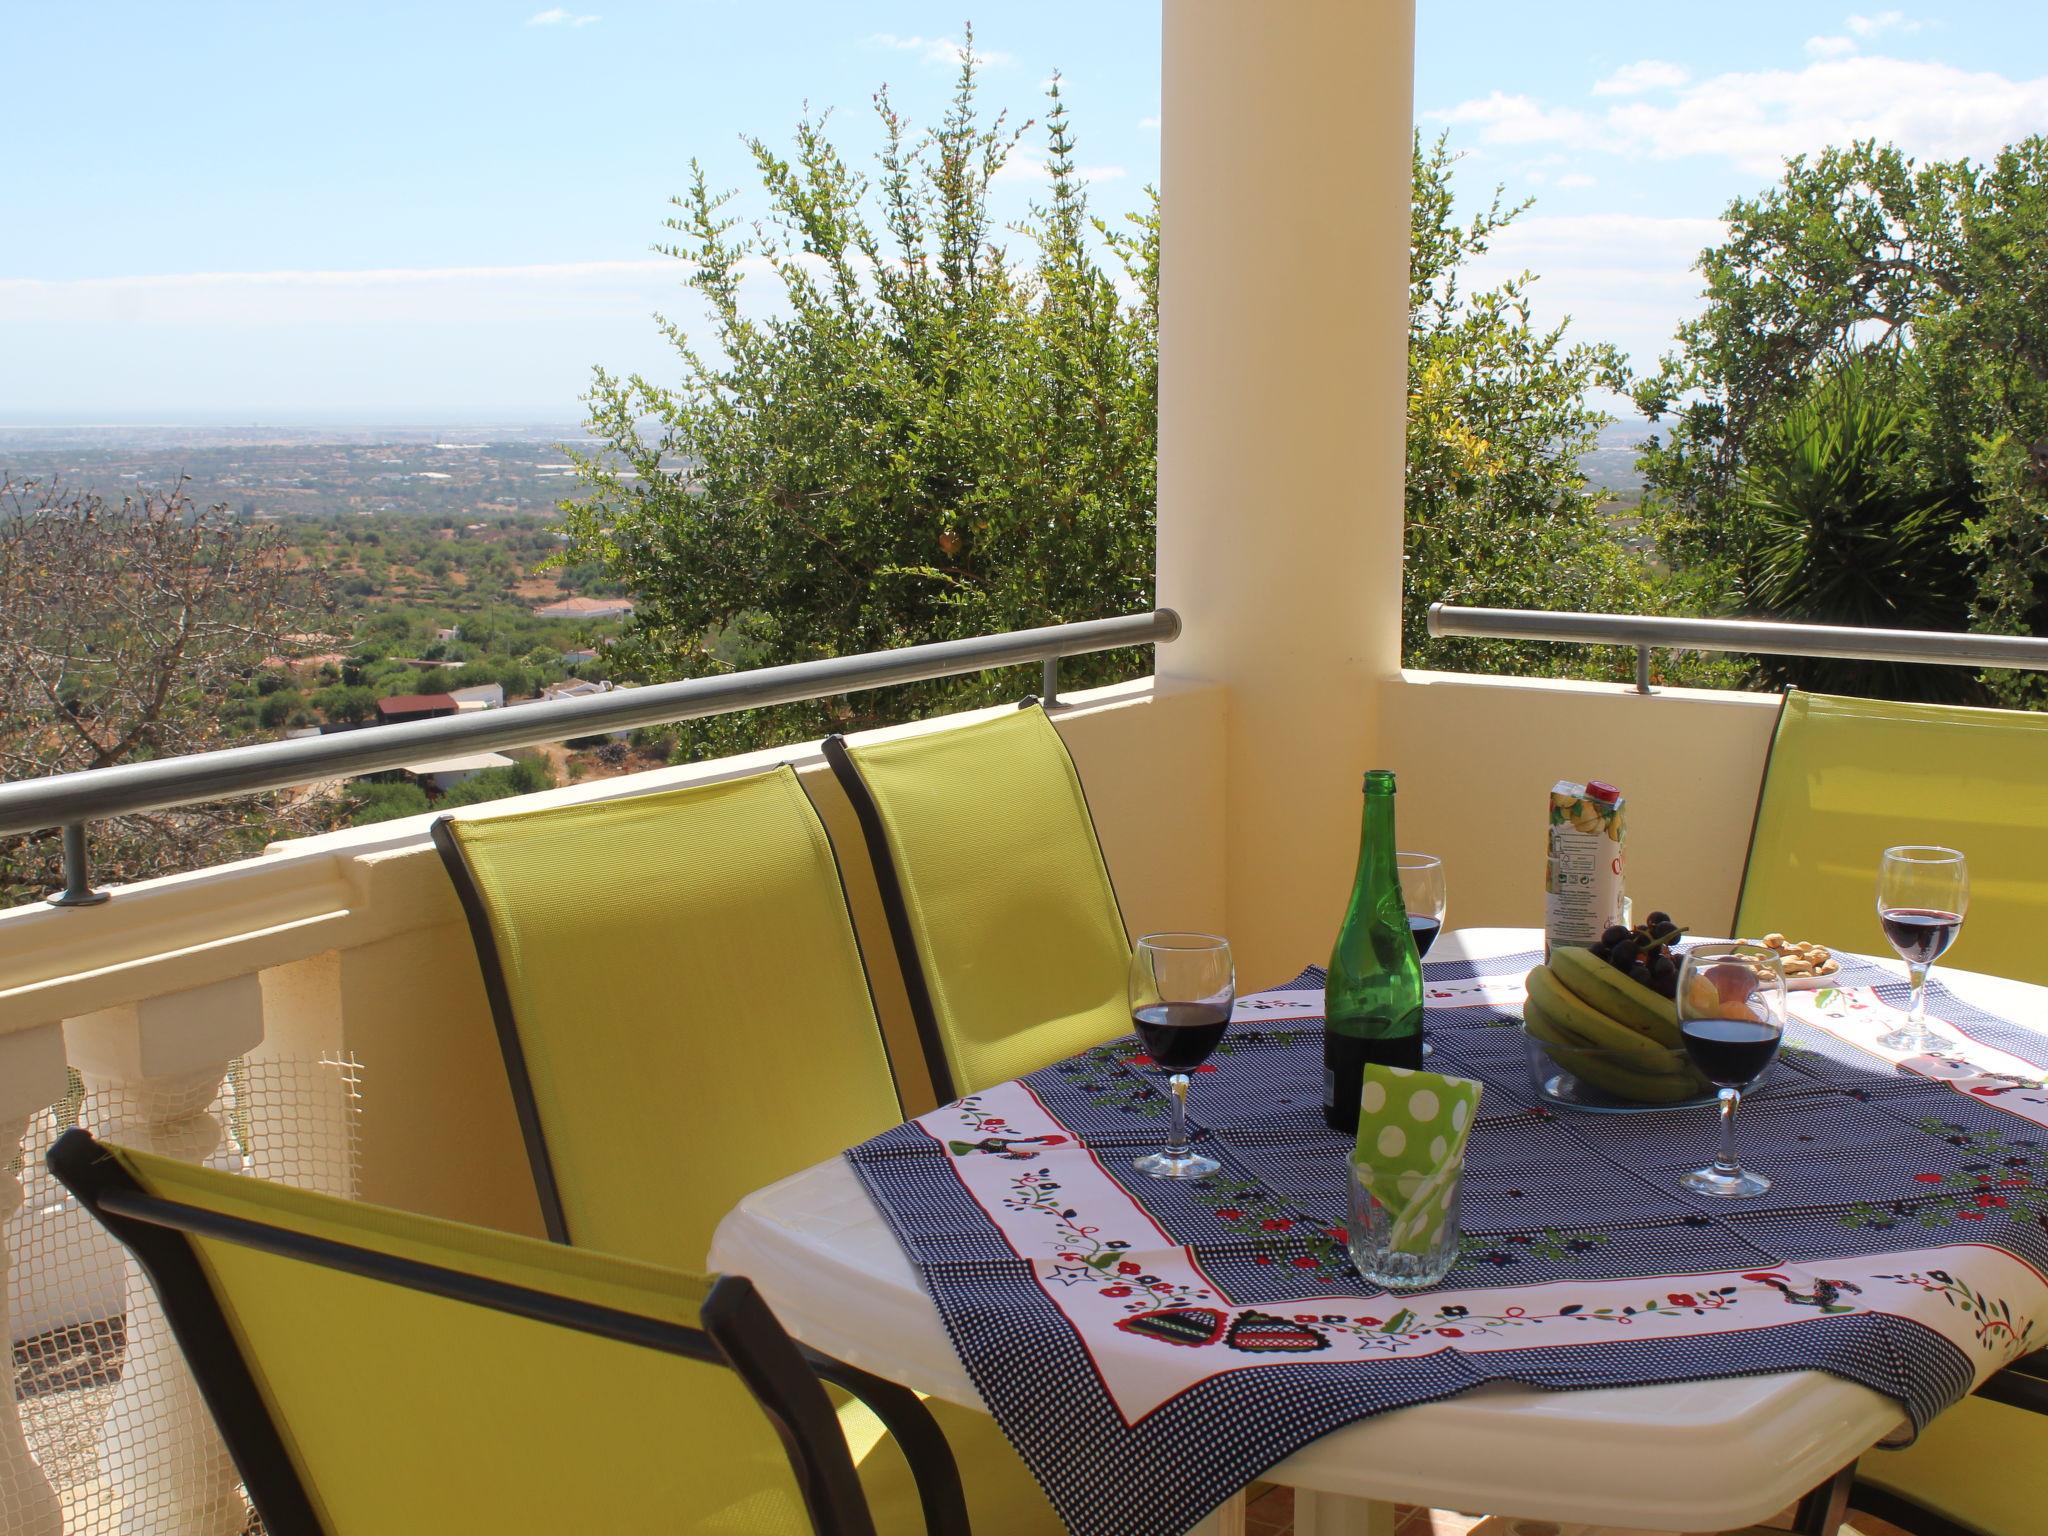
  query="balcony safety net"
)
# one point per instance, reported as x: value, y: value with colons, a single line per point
x: 139, y: 1456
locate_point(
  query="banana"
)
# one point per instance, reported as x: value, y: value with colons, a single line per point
x: 1634, y: 1051
x: 1602, y: 1070
x: 1550, y: 1031
x: 1640, y: 1087
x: 1619, y: 997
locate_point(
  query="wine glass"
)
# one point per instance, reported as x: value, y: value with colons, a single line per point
x: 1182, y: 986
x: 1731, y: 1015
x: 1922, y: 895
x: 1422, y: 893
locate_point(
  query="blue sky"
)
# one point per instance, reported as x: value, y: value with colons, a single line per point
x: 443, y: 212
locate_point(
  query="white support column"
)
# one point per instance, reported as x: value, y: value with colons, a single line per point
x: 31, y: 1077
x: 1286, y: 177
x: 151, y: 1071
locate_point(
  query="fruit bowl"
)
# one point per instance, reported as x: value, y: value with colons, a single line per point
x: 1605, y: 1081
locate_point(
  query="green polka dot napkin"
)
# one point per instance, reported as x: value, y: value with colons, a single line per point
x: 1412, y: 1128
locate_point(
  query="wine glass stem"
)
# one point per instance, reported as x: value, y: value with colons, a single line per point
x: 1179, y: 1082
x: 1725, y: 1161
x: 1916, y: 1008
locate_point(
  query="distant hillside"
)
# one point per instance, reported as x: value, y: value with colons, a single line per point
x: 1612, y: 465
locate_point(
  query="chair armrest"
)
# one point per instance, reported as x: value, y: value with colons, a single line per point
x: 918, y: 1434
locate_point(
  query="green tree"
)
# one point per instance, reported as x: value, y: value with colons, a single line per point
x: 278, y: 708
x: 941, y: 438
x: 345, y: 704
x: 1844, y: 533
x: 1499, y: 514
x: 368, y: 803
x: 526, y: 776
x: 1940, y: 270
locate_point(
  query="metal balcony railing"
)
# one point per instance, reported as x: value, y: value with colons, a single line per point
x: 72, y: 800
x: 1754, y: 636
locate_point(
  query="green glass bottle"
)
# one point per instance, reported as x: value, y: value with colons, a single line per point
x: 1372, y: 1002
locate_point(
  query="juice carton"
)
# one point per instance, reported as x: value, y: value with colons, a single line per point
x: 1583, y: 887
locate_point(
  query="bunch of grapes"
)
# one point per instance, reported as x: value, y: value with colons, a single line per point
x: 1643, y: 953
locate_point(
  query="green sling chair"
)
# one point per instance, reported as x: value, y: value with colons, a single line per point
x: 1848, y: 778
x: 1012, y: 946
x: 374, y: 1371
x: 684, y: 1016
x: 1977, y: 1470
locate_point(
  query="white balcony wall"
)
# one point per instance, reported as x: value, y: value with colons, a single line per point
x: 360, y: 948
x: 1477, y: 756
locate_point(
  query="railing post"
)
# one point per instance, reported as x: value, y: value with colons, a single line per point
x: 1642, y: 669
x: 1049, y: 689
x: 31, y: 1077
x: 151, y: 1071
x: 78, y: 891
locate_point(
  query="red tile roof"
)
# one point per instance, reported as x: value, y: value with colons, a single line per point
x: 415, y: 703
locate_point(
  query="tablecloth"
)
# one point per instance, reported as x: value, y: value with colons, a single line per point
x: 1151, y: 1346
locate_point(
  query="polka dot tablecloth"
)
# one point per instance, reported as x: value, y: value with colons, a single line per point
x: 1151, y: 1346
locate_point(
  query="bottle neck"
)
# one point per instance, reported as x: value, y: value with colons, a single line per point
x: 1377, y: 871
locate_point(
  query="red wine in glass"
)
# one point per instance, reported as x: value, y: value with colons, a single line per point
x: 1923, y: 893
x: 1182, y: 987
x: 1730, y: 1053
x: 1425, y: 930
x: 1920, y: 934
x: 1731, y: 1015
x: 1179, y: 1037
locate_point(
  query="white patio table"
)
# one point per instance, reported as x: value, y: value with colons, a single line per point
x: 1693, y: 1456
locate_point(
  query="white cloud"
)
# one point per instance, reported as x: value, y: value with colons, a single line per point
x: 1623, y: 278
x: 1643, y: 75
x: 1572, y: 179
x: 1757, y: 118
x: 1148, y: 125
x: 391, y: 343
x: 1830, y: 47
x: 937, y: 50
x: 1538, y: 240
x: 245, y: 300
x: 1883, y: 21
x: 555, y: 16
x: 1505, y: 119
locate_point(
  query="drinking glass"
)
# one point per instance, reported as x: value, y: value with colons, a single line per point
x: 1394, y: 1259
x: 1922, y: 895
x: 1422, y: 893
x: 1182, y: 987
x: 1731, y: 1015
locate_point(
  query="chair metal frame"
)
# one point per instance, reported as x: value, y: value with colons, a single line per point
x: 738, y: 1332
x: 553, y: 1218
x: 1756, y: 812
x: 889, y: 882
